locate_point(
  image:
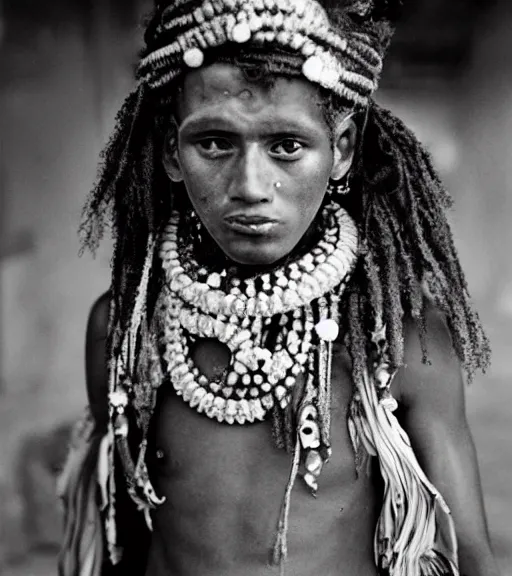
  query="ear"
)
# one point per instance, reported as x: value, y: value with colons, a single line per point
x: 345, y: 138
x: 170, y: 156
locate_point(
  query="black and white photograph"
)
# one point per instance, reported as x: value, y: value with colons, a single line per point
x: 255, y: 288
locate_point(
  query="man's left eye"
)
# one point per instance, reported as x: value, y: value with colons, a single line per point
x: 287, y: 147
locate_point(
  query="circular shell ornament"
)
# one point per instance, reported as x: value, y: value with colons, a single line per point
x: 389, y: 403
x: 309, y: 434
x: 327, y: 330
x: 121, y: 426
x: 314, y: 463
x: 241, y: 33
x: 311, y: 482
x: 382, y: 376
x: 193, y: 57
x: 118, y: 399
x: 313, y: 69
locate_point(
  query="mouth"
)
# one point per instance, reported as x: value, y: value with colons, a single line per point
x: 251, y: 225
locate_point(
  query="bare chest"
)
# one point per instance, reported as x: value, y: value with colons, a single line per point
x: 187, y: 446
x: 224, y: 487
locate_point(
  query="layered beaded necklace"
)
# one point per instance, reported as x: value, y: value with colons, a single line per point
x: 238, y: 313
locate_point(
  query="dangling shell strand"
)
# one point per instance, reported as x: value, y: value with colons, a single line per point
x: 139, y: 486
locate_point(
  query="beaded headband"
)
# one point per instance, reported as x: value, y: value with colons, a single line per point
x: 345, y: 57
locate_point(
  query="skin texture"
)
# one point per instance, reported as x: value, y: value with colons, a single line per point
x: 224, y: 484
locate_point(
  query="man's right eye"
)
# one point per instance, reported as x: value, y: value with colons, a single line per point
x: 214, y: 146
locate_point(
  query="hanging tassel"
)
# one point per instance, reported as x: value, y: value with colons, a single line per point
x: 415, y: 532
x: 108, y: 478
x: 281, y: 544
x: 362, y: 448
x: 150, y: 498
x: 278, y: 428
x: 415, y: 520
x: 309, y: 431
x: 139, y: 307
x: 143, y: 386
x: 137, y: 479
x: 324, y: 353
x: 327, y: 331
x: 149, y: 378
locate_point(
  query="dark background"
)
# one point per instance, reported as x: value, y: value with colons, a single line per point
x: 65, y: 67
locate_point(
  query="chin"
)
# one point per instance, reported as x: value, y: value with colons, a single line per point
x: 254, y: 259
x: 254, y: 255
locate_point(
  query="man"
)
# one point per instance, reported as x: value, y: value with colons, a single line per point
x: 274, y: 374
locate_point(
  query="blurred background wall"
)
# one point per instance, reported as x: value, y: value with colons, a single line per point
x: 65, y: 67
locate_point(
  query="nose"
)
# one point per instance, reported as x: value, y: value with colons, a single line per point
x: 252, y: 182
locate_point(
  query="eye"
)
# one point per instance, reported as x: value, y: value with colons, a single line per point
x: 287, y: 149
x: 214, y: 146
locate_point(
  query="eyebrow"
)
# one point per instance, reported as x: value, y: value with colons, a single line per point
x: 223, y: 122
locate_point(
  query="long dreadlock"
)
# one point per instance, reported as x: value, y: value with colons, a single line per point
x: 132, y: 196
x: 408, y: 249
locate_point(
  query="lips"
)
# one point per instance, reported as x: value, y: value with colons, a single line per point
x: 248, y: 219
x: 251, y: 225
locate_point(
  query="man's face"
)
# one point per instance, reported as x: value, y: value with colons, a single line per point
x: 255, y: 160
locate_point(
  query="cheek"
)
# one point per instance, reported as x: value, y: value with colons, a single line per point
x: 201, y: 181
x: 311, y: 183
x: 192, y: 167
x: 202, y: 200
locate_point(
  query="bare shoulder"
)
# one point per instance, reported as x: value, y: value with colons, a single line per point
x: 96, y: 359
x: 97, y: 325
x: 439, y: 383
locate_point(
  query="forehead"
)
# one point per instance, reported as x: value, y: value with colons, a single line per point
x: 224, y: 86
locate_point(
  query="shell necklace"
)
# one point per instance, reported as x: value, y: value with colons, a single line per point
x: 267, y: 321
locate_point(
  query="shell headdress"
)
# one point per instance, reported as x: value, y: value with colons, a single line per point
x: 341, y: 45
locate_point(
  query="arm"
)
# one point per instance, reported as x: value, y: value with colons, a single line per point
x: 82, y: 549
x: 433, y: 414
x: 132, y: 530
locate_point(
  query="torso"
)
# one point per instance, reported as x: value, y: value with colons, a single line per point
x: 224, y: 486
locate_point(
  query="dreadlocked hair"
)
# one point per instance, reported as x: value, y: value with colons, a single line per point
x: 132, y: 196
x: 408, y: 258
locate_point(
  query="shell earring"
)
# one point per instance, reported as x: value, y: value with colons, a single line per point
x: 336, y: 188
